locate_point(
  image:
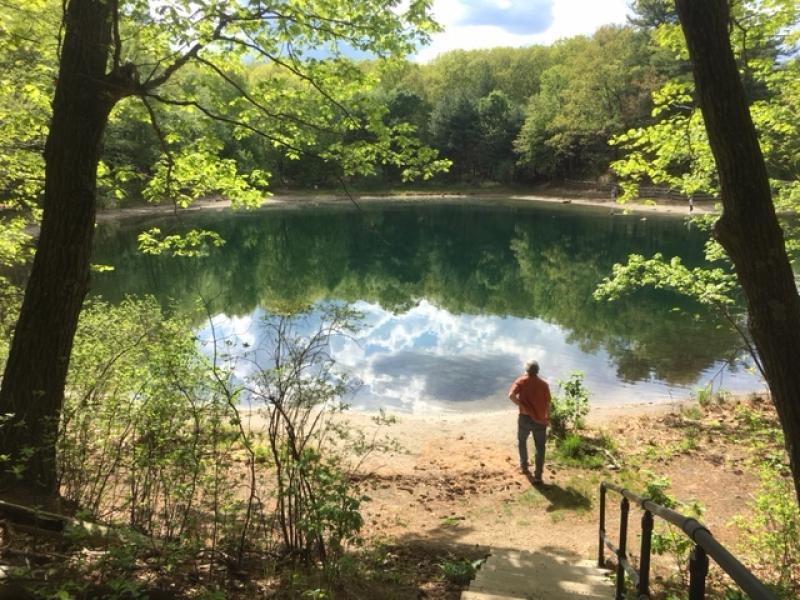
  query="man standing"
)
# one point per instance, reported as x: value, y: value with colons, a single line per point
x: 532, y: 396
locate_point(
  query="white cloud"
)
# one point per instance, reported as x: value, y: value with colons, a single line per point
x: 428, y: 359
x: 498, y: 26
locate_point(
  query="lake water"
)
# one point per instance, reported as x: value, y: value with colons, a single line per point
x: 455, y: 298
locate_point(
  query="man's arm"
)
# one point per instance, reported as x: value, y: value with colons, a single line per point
x: 513, y: 393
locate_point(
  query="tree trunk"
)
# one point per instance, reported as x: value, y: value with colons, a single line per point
x: 748, y: 228
x: 33, y: 384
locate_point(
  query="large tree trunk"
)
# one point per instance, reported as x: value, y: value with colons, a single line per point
x: 33, y: 383
x: 748, y: 229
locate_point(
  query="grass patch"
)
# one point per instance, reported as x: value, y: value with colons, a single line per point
x: 574, y: 450
x: 449, y: 522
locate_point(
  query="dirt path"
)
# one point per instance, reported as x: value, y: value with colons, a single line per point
x: 457, y: 481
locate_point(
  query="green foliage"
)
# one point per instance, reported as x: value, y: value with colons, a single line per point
x: 772, y: 531
x: 130, y: 360
x: 704, y: 395
x: 667, y: 540
x: 192, y: 244
x: 571, y: 445
x: 569, y: 408
x: 460, y: 572
x: 713, y: 287
x: 574, y: 450
x: 597, y: 87
x: 673, y: 150
x: 155, y: 441
x: 477, y: 134
x: 198, y: 171
x: 26, y: 85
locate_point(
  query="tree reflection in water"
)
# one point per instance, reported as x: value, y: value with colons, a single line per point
x: 455, y: 298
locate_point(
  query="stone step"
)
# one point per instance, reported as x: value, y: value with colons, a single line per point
x: 519, y: 574
x: 470, y: 595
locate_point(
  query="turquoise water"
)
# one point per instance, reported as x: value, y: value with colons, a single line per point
x: 455, y: 298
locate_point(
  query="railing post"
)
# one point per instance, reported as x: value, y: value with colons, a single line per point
x: 644, y: 557
x: 698, y: 569
x: 601, y: 547
x: 622, y: 552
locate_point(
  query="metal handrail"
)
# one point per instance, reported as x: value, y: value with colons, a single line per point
x: 705, y: 546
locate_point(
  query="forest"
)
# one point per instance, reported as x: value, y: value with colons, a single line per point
x: 136, y: 464
x: 611, y: 106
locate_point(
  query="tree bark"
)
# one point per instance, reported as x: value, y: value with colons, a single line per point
x: 748, y: 228
x: 33, y: 384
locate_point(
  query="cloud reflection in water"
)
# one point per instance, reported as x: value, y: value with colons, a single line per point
x: 428, y: 359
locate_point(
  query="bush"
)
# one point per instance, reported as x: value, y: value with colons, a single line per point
x: 155, y: 441
x: 569, y: 408
x: 772, y: 531
x: 460, y: 572
x: 668, y: 540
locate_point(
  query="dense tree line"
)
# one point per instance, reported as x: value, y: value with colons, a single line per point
x: 586, y: 107
x: 505, y: 115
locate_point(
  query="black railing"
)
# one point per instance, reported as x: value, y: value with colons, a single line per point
x: 705, y: 546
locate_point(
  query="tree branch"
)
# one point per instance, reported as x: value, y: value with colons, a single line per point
x: 164, y: 149
x: 117, y: 39
x: 154, y: 82
x: 230, y: 121
x: 244, y: 94
x: 292, y: 69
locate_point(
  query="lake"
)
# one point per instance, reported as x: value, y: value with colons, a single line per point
x: 454, y: 298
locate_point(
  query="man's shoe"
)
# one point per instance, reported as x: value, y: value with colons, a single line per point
x: 538, y: 481
x: 524, y: 470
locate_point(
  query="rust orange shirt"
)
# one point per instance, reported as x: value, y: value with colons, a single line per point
x: 534, y: 397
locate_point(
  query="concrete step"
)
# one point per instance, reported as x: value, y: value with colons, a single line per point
x: 545, y: 575
x: 468, y: 595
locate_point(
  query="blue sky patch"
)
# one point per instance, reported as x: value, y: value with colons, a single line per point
x: 521, y: 17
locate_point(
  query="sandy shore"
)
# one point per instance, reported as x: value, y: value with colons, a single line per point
x: 663, y: 208
x: 420, y: 434
x: 289, y: 202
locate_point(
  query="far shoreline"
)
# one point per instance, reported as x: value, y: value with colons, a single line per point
x: 305, y: 201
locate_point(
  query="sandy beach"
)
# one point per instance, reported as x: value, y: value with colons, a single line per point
x: 306, y: 201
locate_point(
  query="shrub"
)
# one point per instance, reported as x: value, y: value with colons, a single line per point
x: 569, y: 408
x: 460, y: 572
x: 667, y: 540
x: 772, y: 531
x: 704, y: 395
x: 155, y: 441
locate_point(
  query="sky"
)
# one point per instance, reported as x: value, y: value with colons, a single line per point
x: 471, y: 24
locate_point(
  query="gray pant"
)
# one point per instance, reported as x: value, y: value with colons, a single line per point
x: 525, y: 426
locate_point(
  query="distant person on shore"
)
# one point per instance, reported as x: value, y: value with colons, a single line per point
x: 691, y: 204
x: 532, y: 395
x: 614, y: 192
